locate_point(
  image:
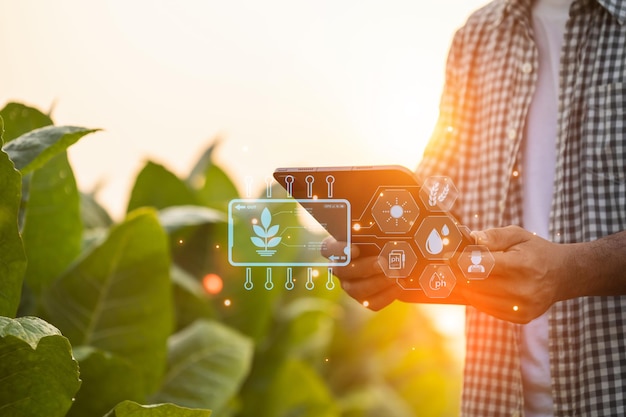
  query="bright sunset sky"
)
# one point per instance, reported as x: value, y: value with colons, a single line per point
x: 282, y: 82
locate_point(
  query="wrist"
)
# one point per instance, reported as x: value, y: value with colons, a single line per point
x: 595, y: 268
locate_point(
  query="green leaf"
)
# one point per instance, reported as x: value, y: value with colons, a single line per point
x: 38, y: 376
x: 12, y: 256
x: 118, y: 297
x: 32, y: 150
x: 20, y: 119
x: 132, y: 409
x: 299, y: 391
x: 302, y: 330
x: 197, y: 173
x: 207, y: 362
x: 92, y: 213
x: 157, y: 187
x: 190, y: 299
x: 177, y: 217
x: 52, y: 230
x: 213, y: 186
x: 107, y: 380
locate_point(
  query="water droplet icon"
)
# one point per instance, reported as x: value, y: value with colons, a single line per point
x: 445, y: 230
x: 434, y: 243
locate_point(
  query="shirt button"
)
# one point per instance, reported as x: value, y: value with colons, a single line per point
x: 512, y: 134
x: 502, y: 205
x: 527, y: 67
x: 515, y: 414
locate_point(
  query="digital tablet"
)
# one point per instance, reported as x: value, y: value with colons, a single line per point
x: 405, y: 223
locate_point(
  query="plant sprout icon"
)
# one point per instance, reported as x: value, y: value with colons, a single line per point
x: 266, y: 235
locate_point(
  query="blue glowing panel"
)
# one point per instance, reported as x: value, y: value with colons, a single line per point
x: 287, y: 232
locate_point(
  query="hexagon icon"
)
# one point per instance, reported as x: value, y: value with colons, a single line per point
x: 437, y: 281
x: 438, y: 237
x: 395, y: 211
x: 397, y: 259
x: 476, y: 262
x: 438, y: 193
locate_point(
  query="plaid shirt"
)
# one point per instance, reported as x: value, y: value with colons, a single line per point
x: 490, y: 78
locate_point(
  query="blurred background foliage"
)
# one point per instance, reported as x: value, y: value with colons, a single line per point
x: 147, y: 310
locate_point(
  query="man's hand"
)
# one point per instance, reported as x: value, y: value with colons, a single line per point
x: 363, y: 279
x: 529, y: 275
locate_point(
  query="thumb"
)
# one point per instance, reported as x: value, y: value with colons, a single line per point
x: 501, y: 238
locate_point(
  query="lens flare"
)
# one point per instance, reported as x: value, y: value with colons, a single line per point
x: 212, y: 284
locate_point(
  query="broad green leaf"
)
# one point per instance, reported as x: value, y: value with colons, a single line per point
x: 191, y: 301
x: 157, y: 187
x: 299, y: 390
x: 302, y: 329
x: 207, y: 362
x: 92, y: 213
x: 213, y: 186
x: 12, y: 256
x: 118, y: 297
x: 107, y: 380
x: 196, y: 175
x: 177, y: 217
x: 33, y: 149
x: 52, y: 230
x: 132, y: 409
x: 19, y: 119
x: 38, y: 375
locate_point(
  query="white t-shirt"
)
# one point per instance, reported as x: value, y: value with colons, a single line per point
x: 548, y: 19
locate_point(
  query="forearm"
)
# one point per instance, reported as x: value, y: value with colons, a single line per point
x: 596, y: 268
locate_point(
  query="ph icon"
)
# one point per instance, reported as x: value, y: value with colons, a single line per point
x: 437, y: 280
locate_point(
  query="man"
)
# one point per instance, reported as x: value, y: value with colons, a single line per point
x: 532, y: 130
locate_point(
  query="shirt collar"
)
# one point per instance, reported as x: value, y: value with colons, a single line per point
x: 616, y: 8
x: 521, y: 8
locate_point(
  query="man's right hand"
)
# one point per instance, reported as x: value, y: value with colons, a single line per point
x: 363, y: 279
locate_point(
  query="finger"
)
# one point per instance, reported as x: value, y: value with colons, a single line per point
x: 365, y: 288
x: 331, y: 246
x: 382, y: 298
x: 360, y: 268
x: 500, y: 239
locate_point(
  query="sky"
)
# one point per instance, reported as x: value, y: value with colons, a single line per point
x: 279, y: 82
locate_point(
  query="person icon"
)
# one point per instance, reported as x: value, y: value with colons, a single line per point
x: 476, y: 267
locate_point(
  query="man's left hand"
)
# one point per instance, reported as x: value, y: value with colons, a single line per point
x: 527, y: 276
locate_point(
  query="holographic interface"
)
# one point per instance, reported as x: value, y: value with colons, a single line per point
x: 285, y: 232
x: 385, y: 211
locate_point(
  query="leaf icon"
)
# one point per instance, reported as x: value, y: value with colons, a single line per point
x: 258, y: 242
x: 259, y: 231
x: 272, y: 231
x: 266, y: 218
x: 273, y: 242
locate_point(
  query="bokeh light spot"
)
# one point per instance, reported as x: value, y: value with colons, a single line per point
x: 212, y: 284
